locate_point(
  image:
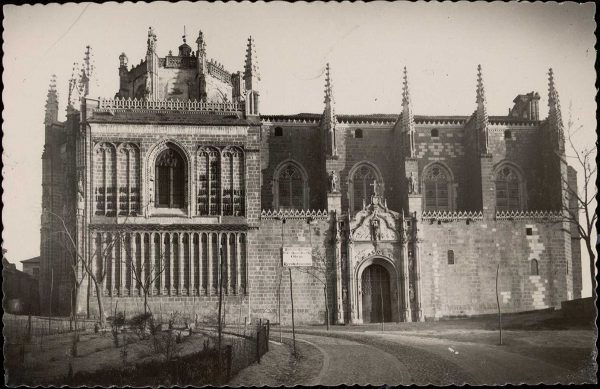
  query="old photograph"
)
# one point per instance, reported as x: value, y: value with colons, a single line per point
x: 266, y: 194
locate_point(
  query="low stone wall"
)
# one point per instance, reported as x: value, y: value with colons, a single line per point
x: 581, y: 309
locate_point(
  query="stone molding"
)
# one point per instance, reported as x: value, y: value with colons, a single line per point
x: 451, y: 215
x: 294, y: 214
x: 528, y: 215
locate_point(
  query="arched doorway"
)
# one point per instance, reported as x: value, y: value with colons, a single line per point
x: 376, y: 300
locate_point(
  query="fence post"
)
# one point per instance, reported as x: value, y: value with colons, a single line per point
x: 258, y: 344
x: 29, y: 330
x: 268, y: 333
x: 229, y: 356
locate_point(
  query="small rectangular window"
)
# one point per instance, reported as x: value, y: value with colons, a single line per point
x: 450, y: 257
x: 529, y: 231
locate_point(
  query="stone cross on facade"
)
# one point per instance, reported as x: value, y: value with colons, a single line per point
x: 376, y: 188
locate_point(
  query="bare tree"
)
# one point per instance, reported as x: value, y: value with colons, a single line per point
x: 321, y: 270
x: 98, y: 255
x: 145, y: 275
x: 579, y: 200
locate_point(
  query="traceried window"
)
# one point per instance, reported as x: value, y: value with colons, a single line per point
x: 508, y: 189
x: 436, y: 182
x: 170, y: 180
x: 362, y: 186
x: 290, y: 187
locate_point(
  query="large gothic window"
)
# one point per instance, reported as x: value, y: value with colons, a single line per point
x: 290, y: 186
x: 436, y: 183
x: 362, y: 186
x: 508, y: 189
x: 170, y: 180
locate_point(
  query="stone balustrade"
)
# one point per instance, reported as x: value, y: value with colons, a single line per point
x: 108, y: 105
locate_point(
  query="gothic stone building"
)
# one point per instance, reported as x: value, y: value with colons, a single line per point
x: 407, y: 216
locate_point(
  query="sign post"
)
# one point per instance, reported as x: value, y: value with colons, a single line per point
x: 293, y: 256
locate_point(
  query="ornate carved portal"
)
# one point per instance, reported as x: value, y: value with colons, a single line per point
x: 381, y: 283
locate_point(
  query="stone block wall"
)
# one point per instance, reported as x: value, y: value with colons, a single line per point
x: 468, y: 286
x: 268, y: 280
x: 300, y: 143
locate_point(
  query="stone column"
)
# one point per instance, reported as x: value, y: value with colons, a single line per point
x: 338, y: 276
x: 406, y: 285
x: 94, y: 259
x: 113, y: 257
x: 238, y: 263
x: 152, y: 263
x: 192, y: 282
x: 122, y: 259
x: 418, y: 298
x: 162, y: 258
x: 144, y: 267
x: 352, y: 292
x: 133, y: 288
x: 181, y: 267
x: 209, y: 265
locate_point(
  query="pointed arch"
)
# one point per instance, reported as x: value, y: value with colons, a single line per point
x: 105, y: 175
x: 175, y: 169
x: 233, y: 181
x: 437, y: 182
x: 509, y: 187
x: 360, y: 184
x: 290, y: 186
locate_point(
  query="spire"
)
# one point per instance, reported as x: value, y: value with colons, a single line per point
x: 408, y: 121
x: 51, y: 103
x: 555, y: 114
x: 251, y: 75
x: 482, y: 117
x: 329, y: 118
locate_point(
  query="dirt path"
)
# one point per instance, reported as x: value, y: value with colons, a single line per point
x: 428, y: 360
x: 279, y: 366
x: 349, y: 362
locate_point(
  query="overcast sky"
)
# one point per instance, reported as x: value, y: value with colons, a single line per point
x: 366, y: 44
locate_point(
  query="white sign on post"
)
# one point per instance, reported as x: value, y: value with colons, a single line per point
x: 297, y: 257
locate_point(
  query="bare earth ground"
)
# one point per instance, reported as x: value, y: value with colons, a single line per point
x: 48, y: 360
x: 538, y: 348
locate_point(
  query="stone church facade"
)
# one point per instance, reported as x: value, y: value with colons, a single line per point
x: 408, y: 217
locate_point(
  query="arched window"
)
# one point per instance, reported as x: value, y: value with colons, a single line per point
x: 358, y: 133
x: 435, y: 133
x: 170, y: 180
x: 508, y: 189
x: 436, y: 182
x: 534, y: 270
x: 507, y: 134
x: 362, y: 186
x: 290, y: 186
x: 450, y: 257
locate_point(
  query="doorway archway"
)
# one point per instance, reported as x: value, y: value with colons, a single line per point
x: 376, y: 294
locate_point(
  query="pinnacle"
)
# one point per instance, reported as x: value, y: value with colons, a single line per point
x: 552, y: 92
x: 405, y: 89
x: 251, y: 64
x: 328, y: 84
x: 480, y: 87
